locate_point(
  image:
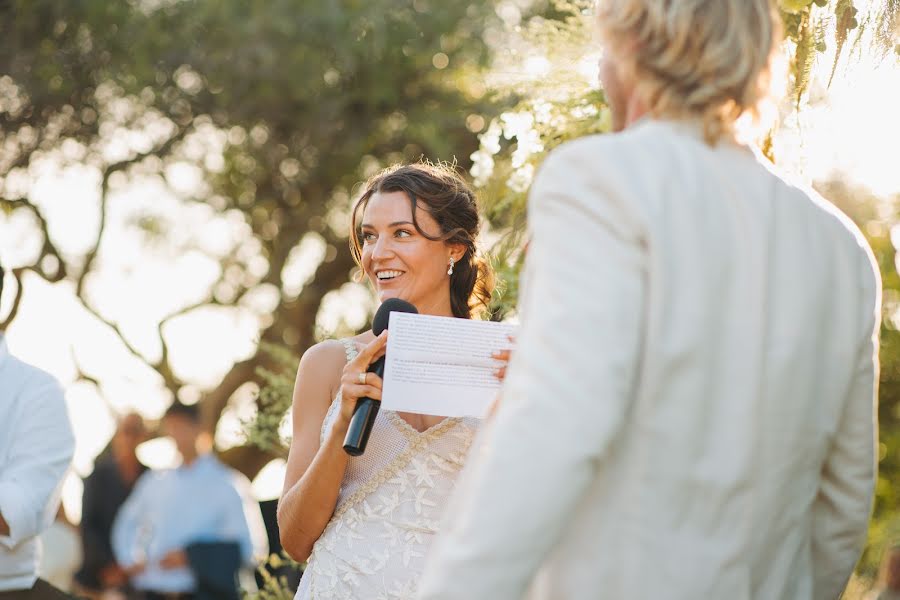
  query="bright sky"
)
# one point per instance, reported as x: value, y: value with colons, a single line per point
x: 851, y: 129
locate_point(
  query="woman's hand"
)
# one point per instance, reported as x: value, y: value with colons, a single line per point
x: 503, y: 356
x: 500, y: 373
x: 355, y: 373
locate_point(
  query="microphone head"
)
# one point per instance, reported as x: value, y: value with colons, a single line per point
x: 382, y: 315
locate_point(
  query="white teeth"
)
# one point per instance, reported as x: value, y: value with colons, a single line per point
x: 382, y: 275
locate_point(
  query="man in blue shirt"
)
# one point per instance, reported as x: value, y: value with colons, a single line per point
x: 170, y: 512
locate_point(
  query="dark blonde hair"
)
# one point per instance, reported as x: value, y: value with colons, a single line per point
x: 449, y: 200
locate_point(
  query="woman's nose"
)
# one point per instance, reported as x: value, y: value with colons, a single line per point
x: 382, y: 248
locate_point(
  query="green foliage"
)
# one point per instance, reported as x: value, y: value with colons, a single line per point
x: 876, y: 218
x: 275, y: 586
x: 810, y: 24
x: 512, y: 148
x: 274, y: 400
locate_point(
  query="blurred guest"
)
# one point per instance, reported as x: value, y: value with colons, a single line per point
x: 185, y: 532
x: 61, y: 552
x: 694, y: 382
x: 889, y: 576
x: 36, y: 447
x: 105, y: 490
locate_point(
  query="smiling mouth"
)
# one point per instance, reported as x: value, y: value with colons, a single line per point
x: 383, y: 276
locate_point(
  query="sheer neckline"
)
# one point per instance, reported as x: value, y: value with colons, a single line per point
x: 411, y: 432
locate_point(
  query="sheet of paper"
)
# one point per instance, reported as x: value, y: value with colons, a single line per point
x: 441, y: 365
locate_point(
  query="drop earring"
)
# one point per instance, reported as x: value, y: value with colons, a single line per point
x: 450, y: 270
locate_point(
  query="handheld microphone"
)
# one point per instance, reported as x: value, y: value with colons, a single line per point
x: 366, y: 408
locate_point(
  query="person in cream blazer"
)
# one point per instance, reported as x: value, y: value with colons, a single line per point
x: 689, y: 412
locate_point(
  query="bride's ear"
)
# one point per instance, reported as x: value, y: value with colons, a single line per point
x: 457, y: 251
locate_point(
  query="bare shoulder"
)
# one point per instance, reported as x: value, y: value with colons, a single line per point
x: 362, y: 340
x: 319, y: 373
x: 328, y: 352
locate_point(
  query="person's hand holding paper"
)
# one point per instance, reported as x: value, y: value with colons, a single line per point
x: 443, y: 366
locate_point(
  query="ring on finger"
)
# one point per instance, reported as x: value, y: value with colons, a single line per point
x: 362, y: 378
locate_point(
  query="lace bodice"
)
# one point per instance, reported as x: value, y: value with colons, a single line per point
x: 389, y: 508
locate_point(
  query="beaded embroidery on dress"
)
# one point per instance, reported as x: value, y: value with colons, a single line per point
x: 390, y: 506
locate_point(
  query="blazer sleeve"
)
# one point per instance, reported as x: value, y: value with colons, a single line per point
x: 567, y: 391
x: 842, y: 506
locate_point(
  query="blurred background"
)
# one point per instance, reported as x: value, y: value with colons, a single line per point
x: 176, y: 179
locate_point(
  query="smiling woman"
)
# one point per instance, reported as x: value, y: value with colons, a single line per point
x: 419, y: 225
x: 365, y: 523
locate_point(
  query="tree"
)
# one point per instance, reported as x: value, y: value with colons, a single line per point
x: 542, y: 73
x: 280, y: 107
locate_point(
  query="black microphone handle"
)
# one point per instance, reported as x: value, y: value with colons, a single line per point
x: 363, y: 418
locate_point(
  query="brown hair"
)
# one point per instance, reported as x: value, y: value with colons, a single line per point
x: 443, y: 193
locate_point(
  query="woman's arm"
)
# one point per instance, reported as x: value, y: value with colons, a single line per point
x: 314, y: 471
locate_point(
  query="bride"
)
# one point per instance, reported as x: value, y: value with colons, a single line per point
x: 365, y: 523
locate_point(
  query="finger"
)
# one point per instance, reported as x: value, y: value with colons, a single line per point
x: 356, y: 392
x: 381, y: 353
x: 501, y: 355
x: 368, y: 354
x: 500, y: 373
x: 353, y: 378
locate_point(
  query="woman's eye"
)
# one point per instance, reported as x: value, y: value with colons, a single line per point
x: 403, y: 233
x: 368, y: 237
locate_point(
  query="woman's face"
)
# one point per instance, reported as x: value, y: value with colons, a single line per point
x: 398, y: 260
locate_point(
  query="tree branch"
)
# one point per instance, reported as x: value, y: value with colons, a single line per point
x: 80, y: 375
x: 110, y: 170
x: 117, y: 330
x: 163, y: 364
x: 48, y: 248
x: 249, y: 460
x: 17, y: 274
x: 299, y: 314
x: 162, y: 367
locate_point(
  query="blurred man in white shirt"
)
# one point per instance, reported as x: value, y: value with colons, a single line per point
x: 36, y: 447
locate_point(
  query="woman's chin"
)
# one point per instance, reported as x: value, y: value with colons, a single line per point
x: 398, y: 294
x: 385, y: 294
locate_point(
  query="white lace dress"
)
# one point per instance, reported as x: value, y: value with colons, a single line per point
x: 389, y: 508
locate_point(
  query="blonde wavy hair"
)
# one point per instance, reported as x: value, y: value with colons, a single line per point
x: 706, y: 59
